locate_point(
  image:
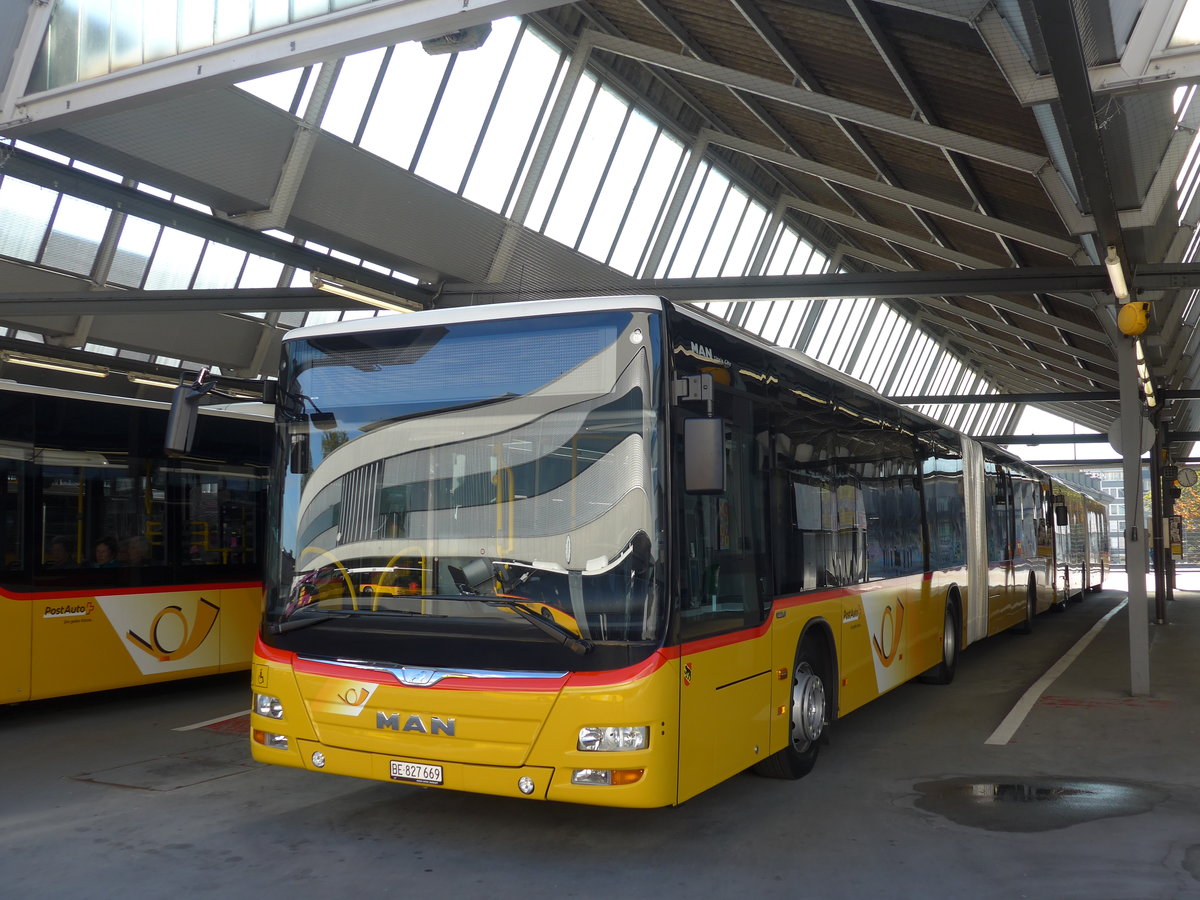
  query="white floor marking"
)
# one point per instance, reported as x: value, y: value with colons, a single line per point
x: 244, y: 712
x: 1003, y: 734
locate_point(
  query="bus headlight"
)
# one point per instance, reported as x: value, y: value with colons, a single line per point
x: 266, y: 705
x: 614, y: 737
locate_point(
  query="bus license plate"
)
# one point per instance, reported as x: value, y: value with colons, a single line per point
x: 418, y: 772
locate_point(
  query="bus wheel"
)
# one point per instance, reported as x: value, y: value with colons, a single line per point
x: 809, y: 714
x: 943, y: 672
x: 1026, y: 627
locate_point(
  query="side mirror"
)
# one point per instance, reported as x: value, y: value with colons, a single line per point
x: 181, y: 421
x: 185, y: 409
x: 1060, y: 515
x: 704, y: 456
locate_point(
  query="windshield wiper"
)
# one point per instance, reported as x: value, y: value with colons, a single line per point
x: 558, y: 632
x: 294, y: 623
x: 563, y: 635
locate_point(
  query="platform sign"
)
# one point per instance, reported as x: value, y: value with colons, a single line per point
x: 1174, y: 531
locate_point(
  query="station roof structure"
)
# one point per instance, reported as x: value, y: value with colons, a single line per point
x: 921, y: 193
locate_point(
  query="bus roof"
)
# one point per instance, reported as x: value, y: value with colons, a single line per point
x: 482, y: 313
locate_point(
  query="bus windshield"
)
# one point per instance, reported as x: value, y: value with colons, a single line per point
x: 461, y: 477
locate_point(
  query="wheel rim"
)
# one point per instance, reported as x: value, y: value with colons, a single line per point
x: 949, y: 639
x: 808, y: 706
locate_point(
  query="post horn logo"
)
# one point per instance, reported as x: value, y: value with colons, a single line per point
x: 193, y: 633
x: 891, y: 627
x: 355, y: 696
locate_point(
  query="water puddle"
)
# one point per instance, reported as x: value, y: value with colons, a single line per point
x: 1033, y: 804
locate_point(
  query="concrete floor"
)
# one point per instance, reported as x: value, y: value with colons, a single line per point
x: 1097, y: 796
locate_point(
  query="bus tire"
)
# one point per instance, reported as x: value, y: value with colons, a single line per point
x: 1026, y: 627
x: 809, y: 711
x: 943, y: 672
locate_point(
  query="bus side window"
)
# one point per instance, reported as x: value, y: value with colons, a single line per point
x: 12, y: 525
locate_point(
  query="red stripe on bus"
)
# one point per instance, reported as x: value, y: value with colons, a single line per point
x: 643, y: 669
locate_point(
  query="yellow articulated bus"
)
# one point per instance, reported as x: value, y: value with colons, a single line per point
x: 123, y: 567
x: 1082, y: 540
x: 605, y: 551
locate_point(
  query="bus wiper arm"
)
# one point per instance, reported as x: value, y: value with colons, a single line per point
x: 305, y: 621
x: 559, y: 633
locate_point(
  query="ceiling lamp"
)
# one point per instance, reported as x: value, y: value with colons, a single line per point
x: 367, y: 295
x: 152, y: 380
x: 57, y: 365
x: 1116, y: 274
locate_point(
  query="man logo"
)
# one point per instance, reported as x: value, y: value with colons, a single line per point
x: 436, y: 724
x: 192, y: 636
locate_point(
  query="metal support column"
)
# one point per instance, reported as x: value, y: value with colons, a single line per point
x: 1168, y: 511
x: 1135, y: 520
x: 1157, y: 557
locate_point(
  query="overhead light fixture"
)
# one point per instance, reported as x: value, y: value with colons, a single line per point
x: 1143, y: 374
x: 241, y: 394
x: 57, y: 365
x: 370, y: 296
x: 1116, y: 275
x: 160, y: 381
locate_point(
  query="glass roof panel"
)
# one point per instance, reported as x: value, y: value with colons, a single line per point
x: 25, y: 213
x: 1187, y: 29
x: 468, y: 95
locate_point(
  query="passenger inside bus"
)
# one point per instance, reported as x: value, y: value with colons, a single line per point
x: 135, y: 551
x: 105, y: 553
x: 58, y: 554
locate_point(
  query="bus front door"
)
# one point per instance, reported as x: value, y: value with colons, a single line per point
x: 725, y: 661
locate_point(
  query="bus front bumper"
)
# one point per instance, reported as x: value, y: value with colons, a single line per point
x: 524, y: 782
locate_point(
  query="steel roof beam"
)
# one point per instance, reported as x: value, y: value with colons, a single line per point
x: 887, y: 51
x: 340, y: 33
x: 1056, y: 369
x: 112, y: 302
x: 808, y: 80
x: 865, y: 285
x: 890, y: 235
x: 1096, y: 413
x: 35, y: 169
x: 960, y: 166
x: 998, y: 303
x: 899, y: 195
x: 756, y: 108
x: 1040, y: 315
x: 1060, y: 33
x: 1146, y: 61
x: 936, y: 305
x: 37, y: 20
x: 900, y: 126
x: 1035, y: 439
